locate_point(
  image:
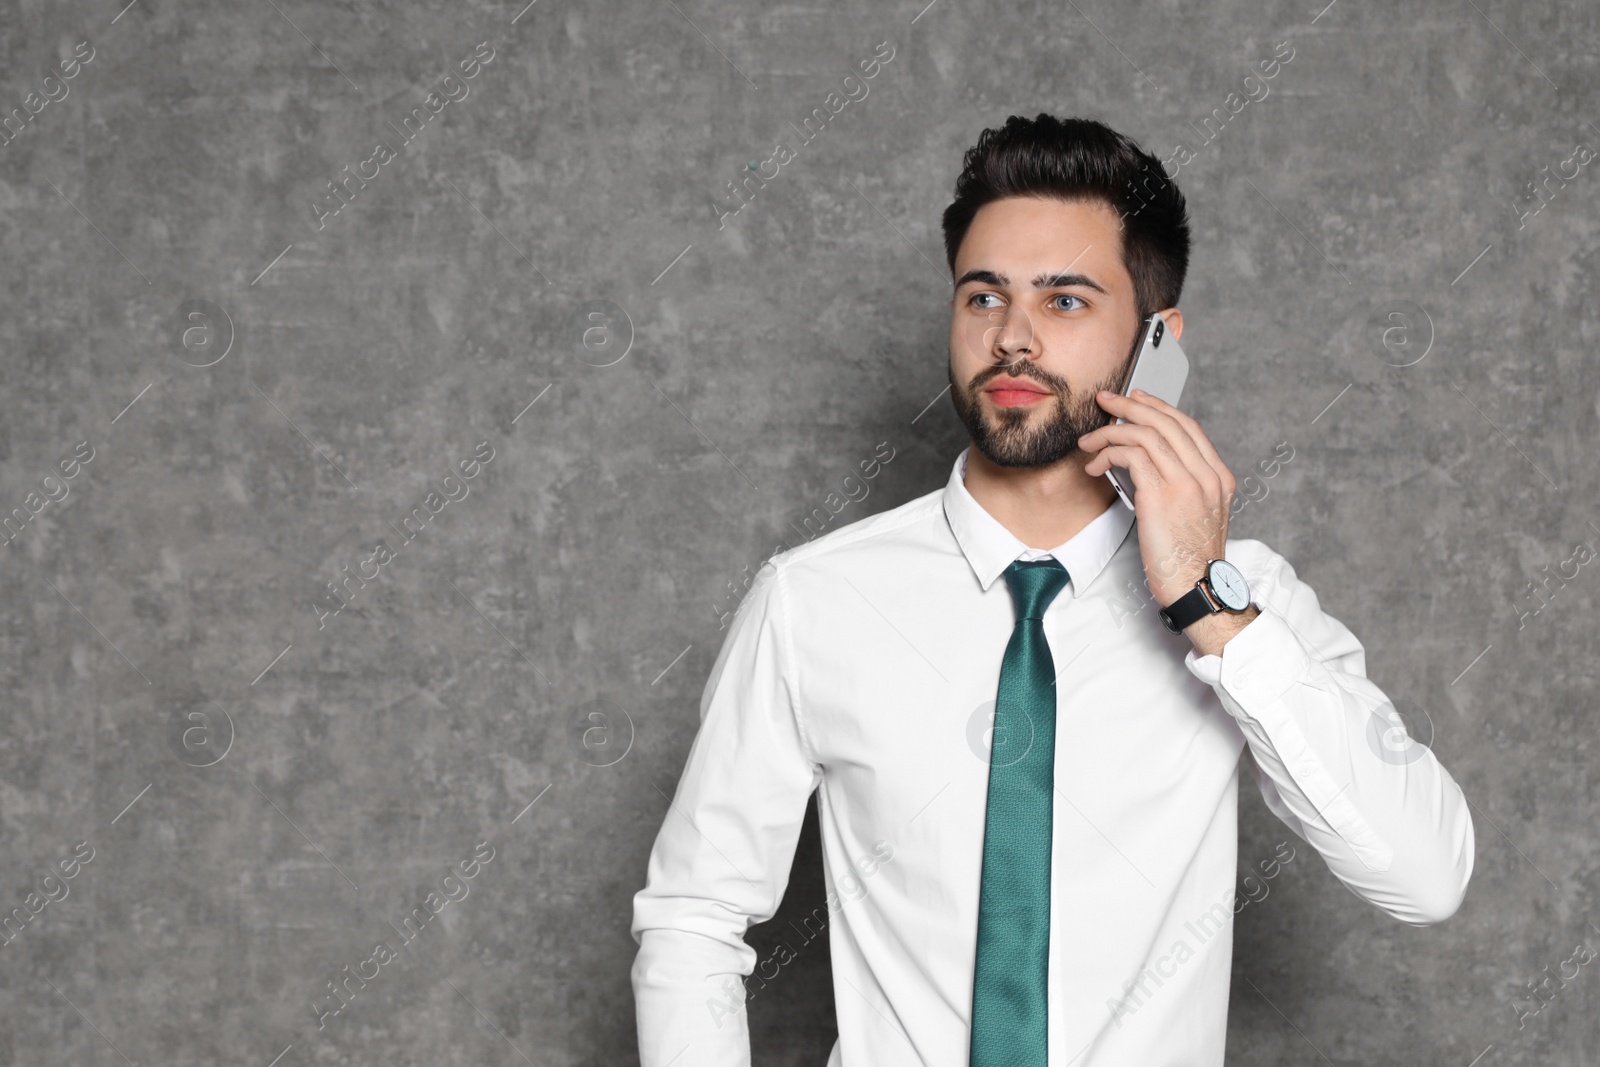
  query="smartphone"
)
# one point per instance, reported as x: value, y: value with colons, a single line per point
x: 1159, y: 368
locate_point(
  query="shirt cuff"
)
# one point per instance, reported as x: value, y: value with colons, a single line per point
x: 1257, y: 665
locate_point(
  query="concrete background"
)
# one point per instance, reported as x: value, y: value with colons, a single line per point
x: 268, y: 790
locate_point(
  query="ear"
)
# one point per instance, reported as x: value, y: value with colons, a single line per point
x: 1174, y: 319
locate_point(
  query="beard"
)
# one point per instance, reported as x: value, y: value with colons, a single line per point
x: 1007, y: 439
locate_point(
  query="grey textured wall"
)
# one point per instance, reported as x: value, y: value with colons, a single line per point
x: 252, y: 392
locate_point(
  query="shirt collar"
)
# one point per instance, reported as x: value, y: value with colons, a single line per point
x: 990, y: 548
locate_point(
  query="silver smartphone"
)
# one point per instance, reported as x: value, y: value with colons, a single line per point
x: 1159, y: 368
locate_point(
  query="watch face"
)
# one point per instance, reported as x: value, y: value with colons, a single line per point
x: 1229, y: 585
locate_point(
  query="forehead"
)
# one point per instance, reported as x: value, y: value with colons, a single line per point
x: 1022, y: 236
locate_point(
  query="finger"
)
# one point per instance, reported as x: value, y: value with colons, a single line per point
x: 1201, y: 440
x: 1132, y: 411
x: 1144, y: 410
x: 1133, y: 457
x: 1149, y: 440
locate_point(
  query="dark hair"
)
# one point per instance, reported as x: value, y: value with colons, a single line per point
x: 1080, y: 159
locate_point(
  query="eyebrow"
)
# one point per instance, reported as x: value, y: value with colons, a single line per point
x: 1042, y: 281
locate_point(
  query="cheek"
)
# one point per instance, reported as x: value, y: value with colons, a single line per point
x: 967, y: 345
x: 974, y: 332
x: 967, y: 358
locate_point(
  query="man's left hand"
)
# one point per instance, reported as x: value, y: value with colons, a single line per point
x: 1183, y: 493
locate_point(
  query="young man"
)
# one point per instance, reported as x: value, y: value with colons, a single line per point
x: 1024, y: 724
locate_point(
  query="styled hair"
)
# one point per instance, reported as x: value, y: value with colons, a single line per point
x: 1075, y: 160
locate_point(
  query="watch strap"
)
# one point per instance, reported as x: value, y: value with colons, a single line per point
x: 1188, y: 608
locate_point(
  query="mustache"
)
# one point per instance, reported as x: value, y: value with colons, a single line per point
x: 1023, y: 369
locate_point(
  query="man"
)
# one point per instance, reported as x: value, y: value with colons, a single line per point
x: 1027, y: 787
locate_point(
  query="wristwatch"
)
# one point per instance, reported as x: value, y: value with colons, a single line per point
x: 1222, y: 588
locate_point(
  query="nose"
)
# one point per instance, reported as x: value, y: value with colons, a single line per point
x: 1013, y: 337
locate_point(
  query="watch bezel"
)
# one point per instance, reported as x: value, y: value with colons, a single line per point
x: 1215, y: 594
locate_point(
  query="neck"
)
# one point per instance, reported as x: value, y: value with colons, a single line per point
x: 1041, y: 506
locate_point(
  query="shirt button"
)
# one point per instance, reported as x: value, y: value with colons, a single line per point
x: 1242, y: 676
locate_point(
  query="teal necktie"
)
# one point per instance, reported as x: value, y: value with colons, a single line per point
x: 1013, y: 961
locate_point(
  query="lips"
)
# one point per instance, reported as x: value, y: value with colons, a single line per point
x: 1010, y: 392
x: 1011, y: 382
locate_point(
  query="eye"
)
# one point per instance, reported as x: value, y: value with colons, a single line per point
x: 1066, y: 296
x: 980, y: 296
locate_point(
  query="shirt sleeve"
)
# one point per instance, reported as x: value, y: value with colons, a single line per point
x: 722, y: 857
x: 1331, y: 756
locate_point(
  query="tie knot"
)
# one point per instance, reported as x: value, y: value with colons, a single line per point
x: 1034, y: 584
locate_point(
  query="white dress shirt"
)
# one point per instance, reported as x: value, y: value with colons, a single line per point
x: 864, y: 665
